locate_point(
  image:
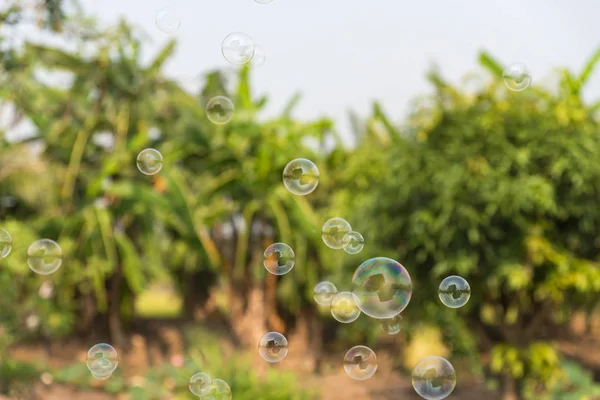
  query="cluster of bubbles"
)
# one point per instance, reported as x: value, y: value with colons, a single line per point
x: 338, y: 234
x: 102, y: 360
x: 206, y: 388
x: 44, y: 256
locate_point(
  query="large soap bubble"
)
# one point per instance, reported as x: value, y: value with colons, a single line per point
x: 434, y: 378
x: 382, y: 287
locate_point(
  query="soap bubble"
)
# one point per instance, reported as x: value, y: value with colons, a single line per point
x: 516, y: 77
x: 260, y: 56
x: 333, y: 232
x: 218, y: 389
x: 5, y: 243
x: 237, y: 48
x: 200, y: 384
x: 353, y: 242
x: 219, y: 110
x: 167, y: 20
x: 360, y: 363
x: 263, y: 1
x: 44, y: 256
x: 382, y: 287
x: 149, y: 161
x: 434, y: 378
x: 102, y: 360
x: 454, y: 291
x: 279, y: 259
x: 273, y: 347
x: 324, y: 293
x: 344, y: 308
x: 392, y: 326
x: 301, y: 176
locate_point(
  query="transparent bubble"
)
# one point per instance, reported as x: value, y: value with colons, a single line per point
x: 353, y: 242
x: 301, y: 176
x: 44, y: 256
x: 344, y: 308
x: 434, y: 378
x: 218, y: 389
x: 263, y: 1
x: 324, y: 293
x: 149, y: 161
x: 516, y: 77
x: 260, y: 56
x: 273, y: 347
x: 454, y: 291
x: 360, y: 363
x: 200, y: 384
x: 5, y: 243
x: 279, y: 259
x: 219, y: 110
x: 167, y: 20
x: 102, y: 360
x: 382, y: 287
x: 333, y: 232
x: 237, y: 48
x: 393, y: 325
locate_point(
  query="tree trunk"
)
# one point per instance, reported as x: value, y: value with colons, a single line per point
x: 508, y: 388
x: 114, y: 309
x: 248, y: 317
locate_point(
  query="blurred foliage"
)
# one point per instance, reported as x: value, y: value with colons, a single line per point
x: 498, y: 187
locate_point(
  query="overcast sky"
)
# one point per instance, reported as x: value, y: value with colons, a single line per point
x: 342, y: 54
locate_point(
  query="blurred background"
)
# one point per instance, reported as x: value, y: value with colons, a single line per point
x: 448, y: 172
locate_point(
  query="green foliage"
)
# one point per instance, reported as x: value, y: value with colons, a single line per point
x: 577, y: 384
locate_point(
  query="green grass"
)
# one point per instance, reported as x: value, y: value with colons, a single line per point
x: 158, y: 303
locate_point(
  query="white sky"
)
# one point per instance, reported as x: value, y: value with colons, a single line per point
x: 342, y: 54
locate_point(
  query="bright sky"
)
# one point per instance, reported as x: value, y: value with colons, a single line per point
x: 342, y: 54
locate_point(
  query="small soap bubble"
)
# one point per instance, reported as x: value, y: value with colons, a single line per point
x: 237, y: 48
x: 263, y: 1
x: 167, y: 20
x: 360, y: 363
x: 102, y: 360
x: 434, y: 378
x: 324, y: 293
x: 333, y: 232
x: 219, y: 110
x: 344, y: 308
x: 44, y: 256
x: 382, y: 287
x: 454, y: 291
x: 301, y: 176
x: 149, y: 161
x: 273, y: 347
x: 353, y: 242
x: 516, y: 77
x: 279, y: 259
x: 260, y: 56
x: 5, y: 243
x: 393, y: 325
x: 200, y: 384
x: 218, y: 389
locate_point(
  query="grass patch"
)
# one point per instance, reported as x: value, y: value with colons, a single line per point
x: 158, y: 302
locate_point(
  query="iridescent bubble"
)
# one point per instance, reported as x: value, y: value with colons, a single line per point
x: 279, y: 259
x: 237, y: 48
x: 273, y: 347
x: 434, y: 378
x: 360, y: 363
x: 149, y: 161
x: 324, y: 293
x: 167, y: 20
x: 219, y: 110
x: 260, y: 56
x: 301, y: 176
x: 5, y: 243
x: 393, y: 325
x: 454, y: 291
x: 218, y: 389
x: 353, y: 242
x: 200, y: 384
x: 44, y: 256
x: 344, y: 308
x: 516, y: 77
x: 382, y: 287
x: 102, y: 360
x: 333, y: 232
